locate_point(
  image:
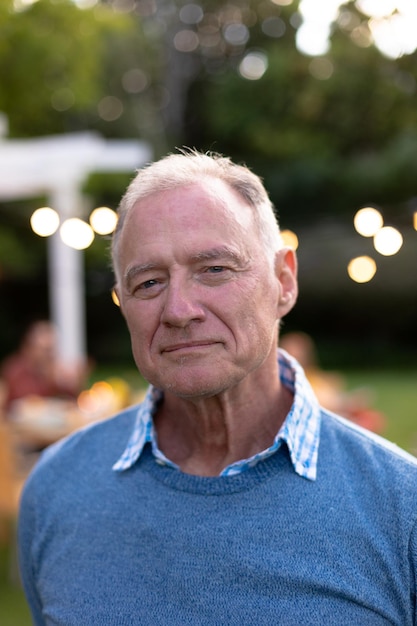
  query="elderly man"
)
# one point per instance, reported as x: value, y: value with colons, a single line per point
x: 229, y: 496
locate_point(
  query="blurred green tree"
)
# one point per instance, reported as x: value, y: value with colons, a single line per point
x: 54, y: 64
x: 327, y: 132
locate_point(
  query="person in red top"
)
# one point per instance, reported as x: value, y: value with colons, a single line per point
x: 35, y: 370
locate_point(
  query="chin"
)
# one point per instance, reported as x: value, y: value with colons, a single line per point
x: 189, y: 386
x: 190, y: 391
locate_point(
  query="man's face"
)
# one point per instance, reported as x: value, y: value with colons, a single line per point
x: 200, y: 297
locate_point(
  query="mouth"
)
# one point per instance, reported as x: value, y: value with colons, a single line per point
x: 189, y: 346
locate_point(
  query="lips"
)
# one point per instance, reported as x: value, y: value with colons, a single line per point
x: 189, y: 345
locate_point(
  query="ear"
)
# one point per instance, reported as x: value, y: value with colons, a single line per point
x: 286, y: 273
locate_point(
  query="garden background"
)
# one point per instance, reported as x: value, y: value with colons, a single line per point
x: 319, y: 97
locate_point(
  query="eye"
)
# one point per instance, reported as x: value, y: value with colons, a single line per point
x: 148, y: 284
x: 215, y: 269
x: 216, y: 274
x: 147, y: 289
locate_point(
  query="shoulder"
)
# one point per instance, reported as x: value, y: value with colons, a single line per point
x: 350, y: 446
x: 374, y: 479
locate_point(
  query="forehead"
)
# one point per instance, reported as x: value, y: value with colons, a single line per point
x: 203, y: 206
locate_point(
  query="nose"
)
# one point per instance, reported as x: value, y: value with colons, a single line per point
x: 181, y: 304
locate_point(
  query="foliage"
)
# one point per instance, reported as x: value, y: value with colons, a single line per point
x: 107, y: 188
x: 51, y: 63
x: 327, y: 133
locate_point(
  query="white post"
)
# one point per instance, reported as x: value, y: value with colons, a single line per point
x: 66, y: 280
x: 58, y: 166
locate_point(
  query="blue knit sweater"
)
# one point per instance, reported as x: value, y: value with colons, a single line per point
x: 155, y: 546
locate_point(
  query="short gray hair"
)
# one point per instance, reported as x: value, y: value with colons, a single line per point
x: 188, y: 167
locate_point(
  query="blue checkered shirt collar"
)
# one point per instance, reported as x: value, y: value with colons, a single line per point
x: 300, y: 430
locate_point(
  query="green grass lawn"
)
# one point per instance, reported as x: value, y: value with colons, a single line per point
x: 13, y: 607
x: 394, y: 393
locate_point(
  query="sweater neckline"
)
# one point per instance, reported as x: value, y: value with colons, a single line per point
x: 215, y: 485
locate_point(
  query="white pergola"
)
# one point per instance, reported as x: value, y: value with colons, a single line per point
x: 58, y: 166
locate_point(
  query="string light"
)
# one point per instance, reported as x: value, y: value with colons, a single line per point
x: 368, y: 221
x: 362, y: 269
x: 289, y: 238
x: 44, y: 221
x: 388, y: 241
x: 76, y: 233
x: 115, y: 298
x: 103, y: 220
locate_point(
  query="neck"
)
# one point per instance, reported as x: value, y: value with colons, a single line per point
x: 203, y: 436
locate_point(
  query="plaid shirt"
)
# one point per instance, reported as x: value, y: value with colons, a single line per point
x: 300, y: 430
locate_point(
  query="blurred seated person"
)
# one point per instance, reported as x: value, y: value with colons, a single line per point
x: 35, y: 370
x: 329, y: 387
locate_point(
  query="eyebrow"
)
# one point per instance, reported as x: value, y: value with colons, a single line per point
x: 223, y: 252
x: 135, y: 270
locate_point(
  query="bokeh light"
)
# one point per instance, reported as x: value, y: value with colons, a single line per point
x: 321, y: 68
x: 377, y: 8
x: 312, y: 37
x: 236, y: 34
x: 186, y: 41
x: 110, y: 108
x: 273, y: 27
x: 99, y: 400
x: 76, y: 233
x: 191, y: 13
x: 134, y: 80
x: 103, y: 220
x: 368, y: 221
x: 388, y: 241
x: 290, y: 238
x: 361, y: 269
x: 44, y: 221
x: 394, y: 36
x: 253, y: 65
x: 115, y: 298
x: 391, y: 25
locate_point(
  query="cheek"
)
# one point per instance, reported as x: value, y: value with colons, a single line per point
x: 253, y: 325
x: 260, y: 327
x: 259, y: 304
x: 139, y: 323
x: 261, y: 319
